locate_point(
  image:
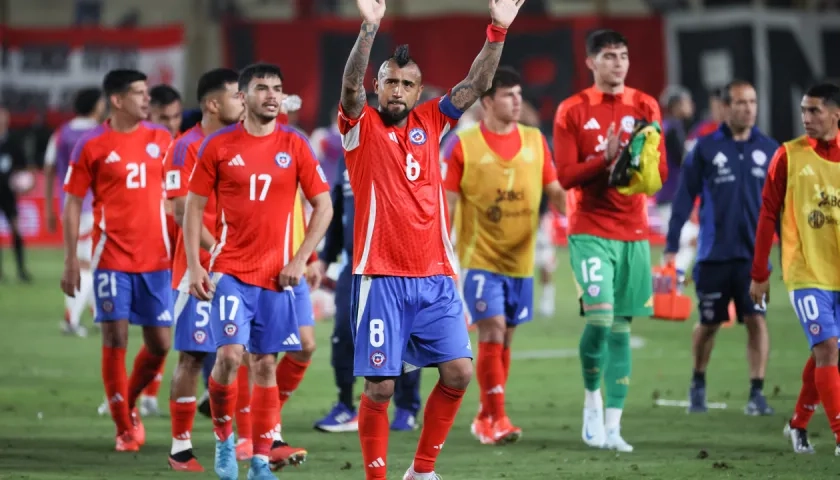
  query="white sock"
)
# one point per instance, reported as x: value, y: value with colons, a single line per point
x: 83, y: 297
x: 612, y: 418
x: 179, y: 446
x: 593, y: 400
x: 278, y: 437
x: 548, y: 293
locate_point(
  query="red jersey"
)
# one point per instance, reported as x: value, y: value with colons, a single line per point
x: 179, y: 164
x: 773, y: 198
x: 255, y: 180
x: 580, y: 140
x: 124, y: 171
x: 401, y: 213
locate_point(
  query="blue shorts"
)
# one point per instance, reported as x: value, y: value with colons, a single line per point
x: 818, y: 312
x: 489, y: 294
x: 192, y: 324
x: 303, y: 305
x: 262, y: 320
x: 404, y: 323
x: 141, y: 298
x: 719, y: 283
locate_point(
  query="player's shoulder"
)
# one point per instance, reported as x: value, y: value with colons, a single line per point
x: 641, y: 99
x: 571, y: 105
x: 158, y: 132
x: 529, y: 130
x: 91, y: 138
x: 192, y: 138
x: 219, y: 137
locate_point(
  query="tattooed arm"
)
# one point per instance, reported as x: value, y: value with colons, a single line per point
x: 479, y: 78
x: 353, y: 98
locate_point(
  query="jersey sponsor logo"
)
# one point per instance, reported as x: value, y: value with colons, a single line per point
x: 417, y: 136
x: 817, y: 219
x: 112, y: 157
x: 759, y: 157
x: 153, y: 150
x: 592, y: 124
x: 827, y: 197
x: 165, y: 316
x: 283, y: 159
x: 377, y: 359
x: 173, y: 180
x: 236, y: 161
x: 509, y: 195
x: 291, y: 340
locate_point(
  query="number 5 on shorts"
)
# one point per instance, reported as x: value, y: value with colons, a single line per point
x: 377, y: 333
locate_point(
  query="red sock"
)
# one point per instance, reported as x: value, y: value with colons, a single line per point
x: 153, y: 387
x: 222, y: 407
x: 265, y: 406
x: 828, y: 385
x: 506, y: 362
x: 373, y: 436
x: 243, y: 404
x: 809, y: 397
x: 146, y: 366
x: 439, y: 414
x: 491, y: 379
x: 116, y: 386
x: 182, y: 414
x: 289, y: 374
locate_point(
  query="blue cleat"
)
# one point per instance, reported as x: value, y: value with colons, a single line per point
x: 340, y: 419
x: 260, y: 470
x: 697, y: 399
x: 225, y: 464
x: 404, y: 421
x: 757, y: 406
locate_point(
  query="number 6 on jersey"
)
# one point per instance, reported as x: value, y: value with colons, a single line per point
x: 412, y: 168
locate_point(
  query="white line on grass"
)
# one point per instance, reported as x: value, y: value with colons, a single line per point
x: 635, y: 343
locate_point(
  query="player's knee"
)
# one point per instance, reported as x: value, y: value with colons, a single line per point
x: 157, y: 340
x: 756, y: 324
x: 190, y: 363
x: 379, y: 389
x: 115, y: 334
x: 825, y: 352
x: 492, y: 330
x: 307, y: 344
x: 707, y: 330
x: 264, y: 368
x: 457, y: 373
x: 228, y: 360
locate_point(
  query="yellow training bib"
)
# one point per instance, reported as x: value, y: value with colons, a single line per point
x: 498, y: 211
x: 811, y: 219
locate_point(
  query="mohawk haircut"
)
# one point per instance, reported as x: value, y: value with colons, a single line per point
x: 401, y: 56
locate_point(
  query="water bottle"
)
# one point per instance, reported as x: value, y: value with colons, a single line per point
x: 680, y: 281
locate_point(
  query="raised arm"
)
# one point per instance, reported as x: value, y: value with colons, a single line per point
x: 353, y: 97
x: 481, y: 73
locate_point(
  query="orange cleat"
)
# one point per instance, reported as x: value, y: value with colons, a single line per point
x: 190, y: 465
x: 127, y: 443
x: 283, y: 455
x: 244, y: 449
x: 139, y: 432
x: 482, y: 430
x: 505, y: 432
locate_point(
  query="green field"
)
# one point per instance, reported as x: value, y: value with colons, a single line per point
x: 51, y: 387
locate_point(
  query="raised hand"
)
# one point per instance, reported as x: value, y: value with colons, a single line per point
x: 372, y: 10
x: 503, y: 11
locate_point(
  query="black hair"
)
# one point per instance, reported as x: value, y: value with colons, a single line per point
x: 119, y: 81
x: 401, y: 56
x: 258, y: 70
x: 215, y: 80
x: 163, y: 95
x: 601, y: 39
x: 84, y: 103
x: 503, y: 78
x: 829, y: 93
x: 726, y: 91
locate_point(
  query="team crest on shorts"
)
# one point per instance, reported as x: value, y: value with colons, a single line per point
x: 593, y: 290
x: 417, y: 136
x: 107, y: 306
x: 153, y: 150
x: 377, y: 359
x: 283, y: 160
x: 230, y: 329
x: 199, y: 336
x: 814, y: 328
x: 481, y: 306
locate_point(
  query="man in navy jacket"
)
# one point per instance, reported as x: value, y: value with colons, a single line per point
x: 339, y: 237
x: 727, y: 170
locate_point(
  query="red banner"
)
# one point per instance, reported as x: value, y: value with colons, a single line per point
x: 44, y: 67
x: 550, y: 53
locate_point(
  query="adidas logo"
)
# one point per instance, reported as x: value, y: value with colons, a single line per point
x: 439, y: 447
x: 113, y: 157
x: 165, y: 317
x: 378, y: 463
x: 524, y: 313
x: 116, y: 399
x: 292, y: 340
x: 592, y: 124
x: 806, y: 171
x: 497, y: 390
x: 237, y: 161
x: 225, y: 419
x: 343, y: 417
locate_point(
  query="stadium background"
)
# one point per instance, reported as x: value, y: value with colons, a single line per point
x: 50, y: 48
